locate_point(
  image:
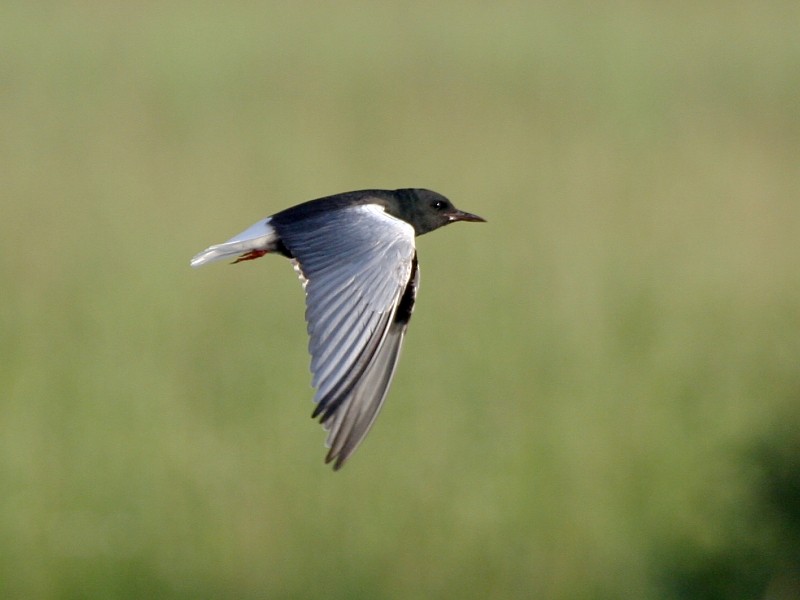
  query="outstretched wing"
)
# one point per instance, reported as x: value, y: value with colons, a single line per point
x: 359, y: 270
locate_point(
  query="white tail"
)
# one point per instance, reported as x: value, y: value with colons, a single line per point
x: 261, y: 236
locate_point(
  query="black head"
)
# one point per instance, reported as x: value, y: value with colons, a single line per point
x: 426, y: 210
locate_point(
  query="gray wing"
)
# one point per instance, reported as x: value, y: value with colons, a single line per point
x: 359, y: 270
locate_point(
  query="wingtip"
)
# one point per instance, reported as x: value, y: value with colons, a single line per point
x: 338, y: 460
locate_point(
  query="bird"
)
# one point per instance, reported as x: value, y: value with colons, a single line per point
x: 356, y: 258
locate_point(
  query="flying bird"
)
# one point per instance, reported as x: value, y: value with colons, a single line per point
x: 355, y: 256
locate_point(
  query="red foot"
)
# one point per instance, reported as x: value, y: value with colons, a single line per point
x: 252, y: 255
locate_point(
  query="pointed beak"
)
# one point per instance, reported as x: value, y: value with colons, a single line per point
x: 460, y: 215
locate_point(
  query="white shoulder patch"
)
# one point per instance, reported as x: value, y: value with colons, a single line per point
x: 376, y: 210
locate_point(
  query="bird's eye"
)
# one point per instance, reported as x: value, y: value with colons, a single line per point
x: 439, y: 204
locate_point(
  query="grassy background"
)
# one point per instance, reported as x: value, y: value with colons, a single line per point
x: 599, y: 393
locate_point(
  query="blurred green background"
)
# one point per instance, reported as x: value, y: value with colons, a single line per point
x: 599, y: 395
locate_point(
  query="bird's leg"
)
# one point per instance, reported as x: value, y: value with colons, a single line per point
x: 252, y: 255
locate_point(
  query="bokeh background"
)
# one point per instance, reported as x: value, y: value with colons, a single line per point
x: 599, y: 395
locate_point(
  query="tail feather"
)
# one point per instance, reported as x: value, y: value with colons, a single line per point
x: 260, y: 238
